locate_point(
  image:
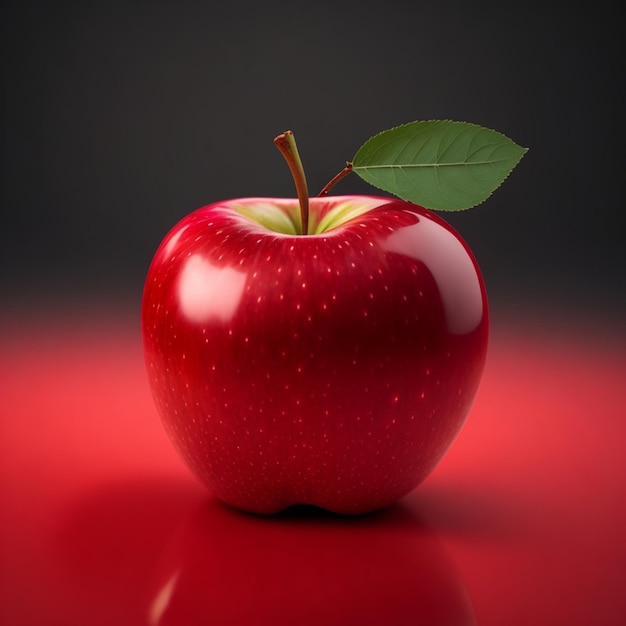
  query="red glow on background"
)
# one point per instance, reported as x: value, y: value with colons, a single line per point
x: 100, y: 522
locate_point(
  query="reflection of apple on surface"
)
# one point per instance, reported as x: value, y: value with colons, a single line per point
x: 306, y: 567
x: 317, y: 351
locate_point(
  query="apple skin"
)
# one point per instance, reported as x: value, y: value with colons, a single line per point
x: 333, y: 369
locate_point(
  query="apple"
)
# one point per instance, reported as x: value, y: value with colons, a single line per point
x: 322, y: 351
x: 333, y: 368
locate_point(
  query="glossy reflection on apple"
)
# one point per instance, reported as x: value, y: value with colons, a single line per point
x: 305, y: 567
x: 332, y: 369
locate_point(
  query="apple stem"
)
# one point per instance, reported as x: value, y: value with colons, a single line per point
x: 286, y: 143
x: 333, y: 181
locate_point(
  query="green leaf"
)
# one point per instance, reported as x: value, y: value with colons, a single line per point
x: 439, y: 164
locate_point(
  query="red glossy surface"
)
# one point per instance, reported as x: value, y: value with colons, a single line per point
x: 333, y: 369
x: 101, y: 523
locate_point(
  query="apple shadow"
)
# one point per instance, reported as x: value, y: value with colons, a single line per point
x: 167, y: 553
x: 306, y: 566
x: 472, y: 514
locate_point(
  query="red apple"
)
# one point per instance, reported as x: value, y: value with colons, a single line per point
x: 334, y: 368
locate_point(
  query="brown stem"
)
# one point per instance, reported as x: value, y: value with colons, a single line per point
x: 333, y: 181
x: 286, y: 143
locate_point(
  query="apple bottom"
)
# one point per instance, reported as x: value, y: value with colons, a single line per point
x: 366, y: 441
x: 360, y: 488
x: 348, y: 483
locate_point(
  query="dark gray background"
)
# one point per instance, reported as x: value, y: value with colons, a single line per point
x: 118, y: 118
